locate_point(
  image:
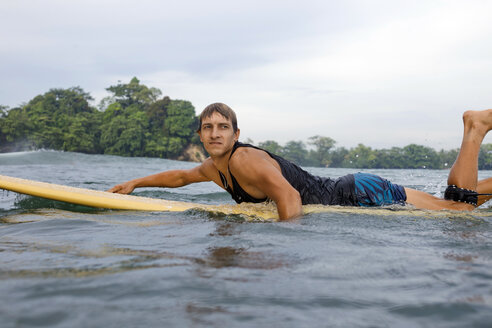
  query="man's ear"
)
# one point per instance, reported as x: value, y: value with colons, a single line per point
x: 236, y: 137
x: 200, y: 135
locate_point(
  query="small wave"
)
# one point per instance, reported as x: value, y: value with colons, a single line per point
x: 41, y: 156
x: 17, y: 153
x: 56, y: 157
x: 30, y: 203
x: 203, y: 198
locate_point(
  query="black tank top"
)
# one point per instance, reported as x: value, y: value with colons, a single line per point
x: 313, y: 189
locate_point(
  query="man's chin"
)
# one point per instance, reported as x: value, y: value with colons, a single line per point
x: 215, y: 152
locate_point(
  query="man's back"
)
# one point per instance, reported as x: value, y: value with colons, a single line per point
x: 312, y: 189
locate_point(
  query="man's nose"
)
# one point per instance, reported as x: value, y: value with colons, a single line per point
x: 215, y: 132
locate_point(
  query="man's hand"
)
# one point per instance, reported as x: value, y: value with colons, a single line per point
x: 124, y: 188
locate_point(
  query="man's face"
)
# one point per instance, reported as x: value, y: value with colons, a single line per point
x: 217, y: 135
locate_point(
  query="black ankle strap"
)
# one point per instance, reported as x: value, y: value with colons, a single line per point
x: 461, y: 195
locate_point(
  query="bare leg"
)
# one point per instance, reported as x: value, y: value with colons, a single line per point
x: 464, y: 172
x: 484, y: 187
x: 421, y: 199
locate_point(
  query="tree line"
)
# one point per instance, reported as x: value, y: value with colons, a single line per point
x: 134, y: 120
x: 324, y: 153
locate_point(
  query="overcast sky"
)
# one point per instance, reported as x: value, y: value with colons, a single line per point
x: 379, y: 72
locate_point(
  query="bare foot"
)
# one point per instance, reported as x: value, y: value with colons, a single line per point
x: 480, y: 121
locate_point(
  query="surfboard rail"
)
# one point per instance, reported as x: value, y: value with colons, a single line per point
x: 93, y: 198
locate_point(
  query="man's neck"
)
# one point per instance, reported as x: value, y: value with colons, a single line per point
x: 222, y: 162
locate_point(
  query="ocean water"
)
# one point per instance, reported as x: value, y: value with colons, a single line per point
x: 64, y: 265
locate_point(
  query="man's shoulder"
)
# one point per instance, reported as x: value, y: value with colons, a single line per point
x: 207, y: 167
x: 207, y: 163
x: 247, y: 158
x: 247, y: 154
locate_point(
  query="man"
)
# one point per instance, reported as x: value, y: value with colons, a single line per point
x: 251, y: 174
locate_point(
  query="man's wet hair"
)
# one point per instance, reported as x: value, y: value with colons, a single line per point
x: 223, y: 110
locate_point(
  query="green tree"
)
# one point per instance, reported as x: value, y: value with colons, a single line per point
x: 132, y: 122
x: 16, y: 125
x: 271, y: 146
x: 361, y: 157
x: 3, y: 111
x: 181, y: 120
x: 392, y: 158
x: 43, y: 121
x: 485, y: 157
x: 156, y: 147
x: 418, y: 157
x: 82, y: 134
x: 338, y: 157
x: 175, y: 147
x: 125, y: 134
x: 132, y: 93
x: 447, y: 158
x: 157, y: 113
x: 165, y: 131
x: 321, y: 154
x: 295, y: 151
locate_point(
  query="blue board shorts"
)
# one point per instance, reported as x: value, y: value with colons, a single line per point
x: 372, y: 190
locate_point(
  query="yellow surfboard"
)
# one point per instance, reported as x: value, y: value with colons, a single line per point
x: 106, y: 200
x: 102, y: 199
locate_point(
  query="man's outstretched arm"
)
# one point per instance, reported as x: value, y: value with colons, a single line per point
x: 169, y: 179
